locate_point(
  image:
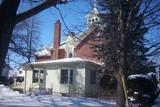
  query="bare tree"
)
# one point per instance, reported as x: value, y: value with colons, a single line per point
x: 10, y: 17
x: 25, y: 39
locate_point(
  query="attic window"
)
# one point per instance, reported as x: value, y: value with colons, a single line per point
x: 70, y: 55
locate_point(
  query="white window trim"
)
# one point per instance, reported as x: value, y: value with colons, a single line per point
x: 39, y: 74
x: 68, y: 81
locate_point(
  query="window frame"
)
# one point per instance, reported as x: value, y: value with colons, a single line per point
x: 93, y: 77
x: 38, y: 77
x: 68, y: 79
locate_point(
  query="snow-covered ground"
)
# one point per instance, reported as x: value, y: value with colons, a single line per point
x: 157, y: 102
x: 9, y: 98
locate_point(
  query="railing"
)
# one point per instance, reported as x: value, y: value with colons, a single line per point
x: 18, y: 85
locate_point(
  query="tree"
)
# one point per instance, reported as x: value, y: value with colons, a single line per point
x: 10, y: 17
x: 25, y: 40
x: 123, y: 50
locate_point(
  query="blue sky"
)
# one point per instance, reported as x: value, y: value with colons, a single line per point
x: 74, y: 16
x: 73, y: 13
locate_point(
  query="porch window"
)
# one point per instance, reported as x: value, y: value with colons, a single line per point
x: 41, y: 76
x: 92, y: 77
x: 71, y: 76
x: 38, y: 76
x: 35, y: 76
x: 66, y: 76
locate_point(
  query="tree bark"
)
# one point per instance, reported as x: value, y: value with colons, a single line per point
x: 120, y: 96
x: 122, y: 59
x: 8, y: 10
x: 5, y: 37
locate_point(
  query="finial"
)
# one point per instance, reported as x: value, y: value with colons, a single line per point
x: 95, y: 3
x: 95, y: 7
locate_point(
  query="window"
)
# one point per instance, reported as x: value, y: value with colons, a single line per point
x: 66, y: 76
x: 20, y: 79
x: 41, y: 76
x: 70, y: 55
x: 38, y: 76
x: 35, y: 76
x: 20, y: 72
x: 93, y: 37
x: 96, y: 19
x: 92, y: 77
x: 71, y: 76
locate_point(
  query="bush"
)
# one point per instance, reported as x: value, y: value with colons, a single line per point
x: 108, y: 82
x: 143, y: 88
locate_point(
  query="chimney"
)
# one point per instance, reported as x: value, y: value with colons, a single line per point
x: 56, y: 44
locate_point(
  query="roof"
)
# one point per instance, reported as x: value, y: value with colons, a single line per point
x: 66, y: 60
x: 46, y: 50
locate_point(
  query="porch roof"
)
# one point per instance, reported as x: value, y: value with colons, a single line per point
x: 67, y: 60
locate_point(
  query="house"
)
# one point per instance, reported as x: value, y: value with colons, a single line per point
x: 70, y: 67
x: 6, y: 71
x: 18, y: 79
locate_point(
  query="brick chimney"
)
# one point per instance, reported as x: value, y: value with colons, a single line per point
x: 56, y: 44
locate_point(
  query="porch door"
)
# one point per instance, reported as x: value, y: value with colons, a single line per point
x: 42, y: 79
x: 66, y: 81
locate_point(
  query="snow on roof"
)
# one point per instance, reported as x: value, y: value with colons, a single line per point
x: 67, y: 60
x: 43, y: 52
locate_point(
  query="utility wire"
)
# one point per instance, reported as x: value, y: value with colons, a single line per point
x: 72, y: 33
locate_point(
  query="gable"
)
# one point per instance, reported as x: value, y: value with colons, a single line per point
x: 86, y: 37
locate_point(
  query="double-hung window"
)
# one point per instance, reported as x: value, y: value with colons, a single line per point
x: 92, y: 77
x: 38, y: 76
x: 66, y: 76
x: 35, y: 76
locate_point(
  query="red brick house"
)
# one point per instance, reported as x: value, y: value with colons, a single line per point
x: 71, y: 47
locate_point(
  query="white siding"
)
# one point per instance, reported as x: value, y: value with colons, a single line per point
x: 80, y: 81
x: 53, y: 80
x: 91, y: 89
x: 28, y: 83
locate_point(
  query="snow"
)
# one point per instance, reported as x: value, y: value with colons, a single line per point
x: 43, y: 52
x: 157, y: 102
x: 10, y: 98
x: 66, y: 60
x: 148, y: 76
x: 136, y: 76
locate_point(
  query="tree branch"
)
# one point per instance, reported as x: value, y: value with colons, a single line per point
x: 46, y: 4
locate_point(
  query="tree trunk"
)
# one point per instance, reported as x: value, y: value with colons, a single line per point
x: 8, y: 10
x: 5, y: 37
x: 120, y: 97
